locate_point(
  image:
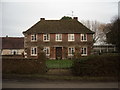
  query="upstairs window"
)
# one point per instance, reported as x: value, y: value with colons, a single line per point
x: 84, y: 51
x: 83, y: 37
x: 33, y: 51
x: 71, y: 51
x: 58, y: 37
x: 46, y: 37
x: 47, y: 51
x: 70, y: 37
x: 33, y: 37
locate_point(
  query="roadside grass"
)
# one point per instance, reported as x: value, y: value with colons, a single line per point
x: 57, y: 77
x: 59, y: 64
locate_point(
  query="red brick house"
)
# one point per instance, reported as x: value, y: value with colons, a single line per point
x: 59, y: 39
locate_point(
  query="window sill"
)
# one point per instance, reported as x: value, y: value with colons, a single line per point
x: 83, y: 40
x: 70, y: 55
x: 47, y: 55
x: 71, y: 40
x: 33, y: 55
x: 33, y: 40
x: 58, y: 40
x: 46, y: 41
x: 83, y: 54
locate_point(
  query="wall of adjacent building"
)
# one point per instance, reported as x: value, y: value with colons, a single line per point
x: 9, y: 51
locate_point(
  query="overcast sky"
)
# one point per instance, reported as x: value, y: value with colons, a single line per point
x: 19, y: 16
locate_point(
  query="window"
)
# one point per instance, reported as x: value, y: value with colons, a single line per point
x: 47, y: 50
x: 33, y: 51
x: 84, y: 51
x: 71, y: 51
x: 34, y: 37
x: 70, y: 37
x: 14, y: 52
x: 83, y: 37
x: 58, y: 37
x: 46, y: 37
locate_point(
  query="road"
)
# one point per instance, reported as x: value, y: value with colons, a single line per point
x: 56, y: 84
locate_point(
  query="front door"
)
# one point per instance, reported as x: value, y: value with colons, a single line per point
x: 58, y: 52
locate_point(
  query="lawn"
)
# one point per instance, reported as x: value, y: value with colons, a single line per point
x: 59, y: 63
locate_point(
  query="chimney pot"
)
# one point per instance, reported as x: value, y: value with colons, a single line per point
x: 75, y: 18
x: 42, y: 18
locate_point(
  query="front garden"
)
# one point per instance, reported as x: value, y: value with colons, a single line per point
x: 92, y: 67
x: 59, y: 64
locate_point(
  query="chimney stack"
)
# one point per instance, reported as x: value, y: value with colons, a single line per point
x: 75, y: 18
x: 42, y: 19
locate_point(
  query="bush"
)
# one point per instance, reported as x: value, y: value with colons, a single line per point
x: 103, y: 65
x: 24, y: 66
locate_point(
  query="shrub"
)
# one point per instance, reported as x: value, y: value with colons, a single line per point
x: 103, y: 65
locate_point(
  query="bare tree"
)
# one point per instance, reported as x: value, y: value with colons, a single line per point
x: 96, y: 27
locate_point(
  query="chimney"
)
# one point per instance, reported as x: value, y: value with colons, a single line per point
x: 42, y: 19
x: 75, y: 18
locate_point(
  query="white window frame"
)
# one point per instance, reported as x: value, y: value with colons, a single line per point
x: 33, y: 53
x: 47, y: 52
x: 12, y: 52
x: 84, y: 52
x: 84, y: 36
x: 47, y: 36
x: 70, y: 52
x: 58, y: 37
x: 71, y: 37
x: 34, y: 37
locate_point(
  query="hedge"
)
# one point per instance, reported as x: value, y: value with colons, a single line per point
x: 24, y: 66
x: 101, y: 65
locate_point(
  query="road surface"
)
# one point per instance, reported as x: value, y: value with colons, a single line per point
x: 56, y: 84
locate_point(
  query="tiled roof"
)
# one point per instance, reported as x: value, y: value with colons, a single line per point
x: 58, y: 26
x: 12, y: 42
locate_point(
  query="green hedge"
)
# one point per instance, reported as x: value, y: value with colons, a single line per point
x: 23, y: 66
x: 102, y: 65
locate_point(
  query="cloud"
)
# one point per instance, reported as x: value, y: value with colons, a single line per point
x: 19, y: 16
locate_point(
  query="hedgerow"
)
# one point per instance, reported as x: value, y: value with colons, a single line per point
x: 100, y: 65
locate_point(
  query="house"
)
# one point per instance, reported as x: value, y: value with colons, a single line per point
x: 12, y: 46
x: 59, y: 39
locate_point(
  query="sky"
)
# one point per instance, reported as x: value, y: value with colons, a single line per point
x: 18, y: 16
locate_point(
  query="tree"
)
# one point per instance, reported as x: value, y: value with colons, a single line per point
x: 113, y: 36
x: 96, y: 27
x: 66, y: 18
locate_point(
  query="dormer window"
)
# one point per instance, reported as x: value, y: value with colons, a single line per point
x: 46, y: 37
x: 71, y: 37
x: 58, y: 37
x: 83, y: 37
x: 33, y: 37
